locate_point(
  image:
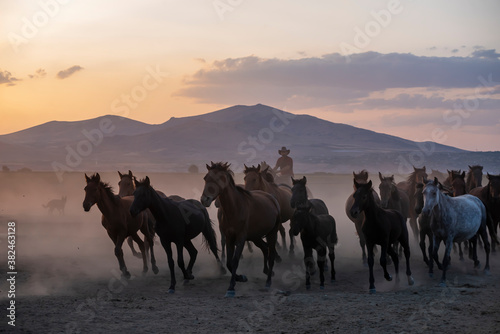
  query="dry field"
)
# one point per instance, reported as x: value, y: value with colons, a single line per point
x: 68, y: 281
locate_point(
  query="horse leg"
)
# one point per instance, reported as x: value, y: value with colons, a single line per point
x: 180, y: 261
x: 223, y: 247
x: 272, y: 254
x: 192, y: 258
x: 233, y: 254
x: 167, y: 246
x: 406, y: 250
x: 422, y: 247
x: 264, y: 247
x: 130, y: 243
x: 430, y: 250
x: 436, y: 242
x: 291, y: 252
x: 473, y: 245
x: 149, y: 244
x: 414, y: 225
x: 395, y: 259
x: 142, y: 248
x: 384, y: 249
x: 321, y: 251
x: 283, y: 234
x: 119, y: 255
x: 371, y: 261
x: 309, y: 262
x: 460, y: 252
x: 484, y: 235
x: 446, y: 260
x: 331, y: 255
x: 362, y: 242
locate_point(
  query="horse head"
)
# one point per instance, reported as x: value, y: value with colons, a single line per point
x: 387, y: 187
x: 219, y: 177
x: 494, y: 185
x: 142, y: 196
x: 362, y: 197
x: 299, y: 193
x: 476, y: 173
x: 419, y: 198
x: 431, y: 193
x: 92, y: 194
x: 126, y: 184
x: 252, y: 178
x: 458, y: 184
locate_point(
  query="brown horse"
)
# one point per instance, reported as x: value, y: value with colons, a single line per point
x: 255, y: 179
x: 474, y: 177
x: 247, y: 215
x: 361, y: 178
x: 409, y: 187
x: 490, y: 196
x: 118, y: 222
x: 126, y: 188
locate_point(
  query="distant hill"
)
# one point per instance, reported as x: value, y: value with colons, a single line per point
x: 239, y: 134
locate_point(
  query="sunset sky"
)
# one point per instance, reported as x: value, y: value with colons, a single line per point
x: 422, y: 70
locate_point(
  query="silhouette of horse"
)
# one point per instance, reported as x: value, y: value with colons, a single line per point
x: 383, y: 227
x: 247, y: 215
x: 178, y: 223
x: 455, y: 219
x: 361, y: 178
x: 436, y: 173
x: 424, y: 223
x: 317, y: 232
x: 474, y: 177
x: 409, y: 187
x: 126, y: 188
x: 490, y: 196
x: 56, y: 204
x: 255, y: 179
x: 458, y: 186
x: 391, y: 197
x: 300, y: 198
x: 118, y: 222
x: 447, y: 182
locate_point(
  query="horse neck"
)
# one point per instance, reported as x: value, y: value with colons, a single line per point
x: 159, y: 206
x: 230, y: 198
x: 371, y: 209
x: 107, y: 202
x: 394, y: 193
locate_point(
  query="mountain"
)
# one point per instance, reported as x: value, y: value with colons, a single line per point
x: 239, y: 134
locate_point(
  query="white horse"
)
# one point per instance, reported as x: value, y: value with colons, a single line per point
x: 455, y: 219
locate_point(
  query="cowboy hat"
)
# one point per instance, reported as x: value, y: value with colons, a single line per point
x: 284, y: 150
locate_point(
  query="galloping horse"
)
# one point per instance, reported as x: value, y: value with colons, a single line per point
x: 246, y: 215
x: 391, y: 197
x: 118, y: 222
x: 490, y: 196
x: 316, y: 232
x: 382, y: 227
x: 255, y: 179
x: 178, y: 223
x: 455, y: 219
x: 360, y: 178
x: 409, y: 187
x: 474, y: 177
x: 126, y: 188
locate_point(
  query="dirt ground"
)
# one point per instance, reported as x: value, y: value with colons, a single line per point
x: 68, y: 281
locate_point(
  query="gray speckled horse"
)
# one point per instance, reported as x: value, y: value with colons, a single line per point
x: 455, y: 219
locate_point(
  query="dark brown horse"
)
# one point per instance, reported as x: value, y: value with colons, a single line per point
x: 361, y: 178
x: 317, y: 232
x: 490, y: 196
x: 246, y: 215
x: 118, y: 221
x: 381, y: 227
x: 255, y: 179
x: 409, y: 187
x: 474, y: 177
x: 178, y: 223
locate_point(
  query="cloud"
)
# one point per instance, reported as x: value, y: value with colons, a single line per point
x: 490, y: 54
x: 40, y: 73
x: 332, y: 79
x: 68, y: 72
x: 7, y: 78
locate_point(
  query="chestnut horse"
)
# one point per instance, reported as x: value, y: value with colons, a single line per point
x: 118, y: 222
x: 246, y: 215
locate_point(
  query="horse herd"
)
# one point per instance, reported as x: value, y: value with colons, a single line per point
x: 257, y: 210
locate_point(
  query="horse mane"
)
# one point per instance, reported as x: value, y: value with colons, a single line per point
x: 108, y: 189
x: 412, y: 178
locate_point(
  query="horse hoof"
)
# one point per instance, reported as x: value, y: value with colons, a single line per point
x: 332, y: 280
x: 322, y: 287
x: 443, y: 284
x: 223, y: 271
x: 487, y: 272
x: 411, y: 281
x: 278, y: 259
x: 308, y: 286
x: 229, y: 294
x: 126, y: 274
x: 477, y: 265
x: 388, y: 278
x: 171, y: 290
x: 241, y: 278
x: 291, y: 254
x: 138, y: 255
x: 431, y: 275
x: 373, y: 291
x: 155, y: 270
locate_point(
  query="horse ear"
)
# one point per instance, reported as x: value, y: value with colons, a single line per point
x: 120, y: 174
x: 370, y: 183
x: 130, y: 173
x: 424, y: 169
x: 87, y: 178
x: 380, y: 176
x: 304, y: 179
x: 258, y: 168
x: 488, y: 176
x: 392, y: 177
x: 147, y: 181
x: 463, y: 174
x: 436, y: 182
x: 425, y: 180
x: 469, y: 167
x: 356, y: 184
x: 293, y: 180
x: 353, y: 174
x: 98, y: 177
x: 208, y: 167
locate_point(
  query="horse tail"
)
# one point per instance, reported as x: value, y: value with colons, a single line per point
x: 209, y: 236
x: 333, y: 236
